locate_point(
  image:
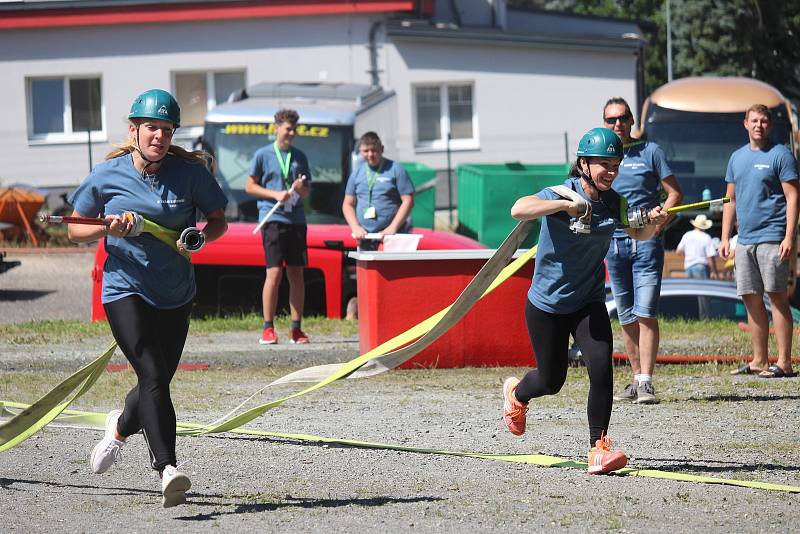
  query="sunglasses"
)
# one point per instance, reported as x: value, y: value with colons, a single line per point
x: 613, y: 120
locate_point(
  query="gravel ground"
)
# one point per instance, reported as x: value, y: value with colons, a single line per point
x: 707, y: 424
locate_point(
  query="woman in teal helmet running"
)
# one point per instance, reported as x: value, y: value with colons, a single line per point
x: 567, y: 295
x: 148, y: 284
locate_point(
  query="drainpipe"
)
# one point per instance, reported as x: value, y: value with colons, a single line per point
x: 499, y: 10
x: 374, y: 72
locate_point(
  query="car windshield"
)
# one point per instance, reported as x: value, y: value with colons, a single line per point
x: 327, y: 148
x: 698, y: 145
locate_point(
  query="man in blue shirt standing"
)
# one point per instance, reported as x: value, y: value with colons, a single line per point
x: 279, y: 173
x: 763, y: 188
x: 379, y: 194
x: 635, y: 267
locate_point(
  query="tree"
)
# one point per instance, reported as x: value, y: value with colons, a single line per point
x: 635, y: 10
x: 754, y: 38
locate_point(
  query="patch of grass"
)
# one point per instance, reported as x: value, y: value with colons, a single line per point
x: 46, y: 332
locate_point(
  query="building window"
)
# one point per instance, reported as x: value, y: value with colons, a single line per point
x: 197, y: 92
x: 64, y: 109
x: 445, y: 108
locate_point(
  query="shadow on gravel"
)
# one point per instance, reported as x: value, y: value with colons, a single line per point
x: 302, y: 502
x: 687, y: 466
x: 742, y: 398
x: 7, y: 483
x: 23, y: 294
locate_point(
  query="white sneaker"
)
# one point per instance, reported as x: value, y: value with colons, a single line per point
x: 109, y: 449
x: 174, y: 486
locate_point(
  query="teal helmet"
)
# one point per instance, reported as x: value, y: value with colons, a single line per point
x: 156, y: 104
x: 601, y: 143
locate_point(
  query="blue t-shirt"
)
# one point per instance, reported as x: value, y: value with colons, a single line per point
x: 144, y: 265
x: 643, y: 167
x: 760, y: 202
x: 569, y: 270
x: 267, y: 169
x: 391, y: 181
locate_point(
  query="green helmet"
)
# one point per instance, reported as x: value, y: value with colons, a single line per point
x: 156, y: 104
x: 600, y: 142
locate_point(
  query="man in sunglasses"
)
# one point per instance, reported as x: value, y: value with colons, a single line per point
x: 635, y: 267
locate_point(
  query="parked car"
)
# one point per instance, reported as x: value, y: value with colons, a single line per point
x: 230, y: 271
x: 691, y: 298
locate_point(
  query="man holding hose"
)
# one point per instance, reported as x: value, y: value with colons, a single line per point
x: 279, y: 173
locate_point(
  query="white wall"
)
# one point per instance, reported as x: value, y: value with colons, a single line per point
x: 526, y: 97
x: 131, y: 59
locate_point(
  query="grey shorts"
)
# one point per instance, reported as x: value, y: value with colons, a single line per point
x: 758, y: 269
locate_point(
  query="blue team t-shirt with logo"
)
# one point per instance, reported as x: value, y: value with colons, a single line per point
x: 760, y: 202
x: 267, y: 169
x: 643, y: 166
x: 569, y: 271
x: 391, y: 181
x: 144, y: 265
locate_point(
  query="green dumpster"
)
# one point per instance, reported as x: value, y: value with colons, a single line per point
x: 424, y: 180
x: 486, y: 193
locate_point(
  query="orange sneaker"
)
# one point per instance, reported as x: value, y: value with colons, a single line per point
x: 514, y: 411
x: 603, y: 460
x: 268, y: 337
x: 298, y: 336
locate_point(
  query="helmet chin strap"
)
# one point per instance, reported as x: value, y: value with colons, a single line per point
x: 588, y: 177
x: 141, y: 153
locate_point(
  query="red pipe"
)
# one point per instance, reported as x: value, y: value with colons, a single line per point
x: 57, y: 219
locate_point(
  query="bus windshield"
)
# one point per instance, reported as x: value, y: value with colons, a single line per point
x: 698, y: 145
x: 327, y: 148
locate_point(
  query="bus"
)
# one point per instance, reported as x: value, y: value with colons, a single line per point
x: 698, y: 122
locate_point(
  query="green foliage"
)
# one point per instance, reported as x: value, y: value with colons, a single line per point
x: 754, y: 38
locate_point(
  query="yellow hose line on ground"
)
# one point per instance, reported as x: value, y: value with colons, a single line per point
x: 491, y: 275
x: 96, y: 420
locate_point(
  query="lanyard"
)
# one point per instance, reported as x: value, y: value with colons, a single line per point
x: 631, y: 145
x: 372, y: 176
x: 284, y: 164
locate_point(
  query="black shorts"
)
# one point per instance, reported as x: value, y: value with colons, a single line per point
x: 285, y: 243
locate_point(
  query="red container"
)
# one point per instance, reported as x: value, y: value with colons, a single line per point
x: 396, y: 291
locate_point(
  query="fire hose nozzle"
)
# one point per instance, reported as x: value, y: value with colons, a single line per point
x: 637, y: 217
x: 192, y: 239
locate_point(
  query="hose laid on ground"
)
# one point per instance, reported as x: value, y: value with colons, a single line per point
x: 378, y: 360
x: 97, y: 421
x: 32, y: 418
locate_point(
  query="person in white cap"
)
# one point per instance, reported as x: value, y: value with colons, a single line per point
x: 698, y: 250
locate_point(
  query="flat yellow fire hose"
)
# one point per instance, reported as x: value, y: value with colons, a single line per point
x: 29, y: 419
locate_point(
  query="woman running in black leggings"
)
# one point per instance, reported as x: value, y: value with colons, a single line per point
x: 567, y: 295
x: 148, y: 284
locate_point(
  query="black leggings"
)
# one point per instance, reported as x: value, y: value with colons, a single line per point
x: 549, y: 334
x: 152, y: 340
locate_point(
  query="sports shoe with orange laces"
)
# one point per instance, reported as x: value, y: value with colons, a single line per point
x: 268, y: 337
x: 298, y: 336
x: 514, y: 411
x: 603, y: 460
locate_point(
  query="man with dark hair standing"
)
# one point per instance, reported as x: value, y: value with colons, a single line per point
x: 279, y: 173
x: 635, y: 267
x: 763, y: 188
x: 379, y: 195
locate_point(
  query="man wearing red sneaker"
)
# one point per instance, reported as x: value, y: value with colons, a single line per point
x: 567, y: 296
x: 279, y: 173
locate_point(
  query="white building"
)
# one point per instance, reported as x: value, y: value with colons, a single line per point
x: 509, y: 85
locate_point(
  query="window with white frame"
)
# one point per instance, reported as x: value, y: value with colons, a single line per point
x: 445, y: 108
x: 197, y: 92
x: 64, y: 109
